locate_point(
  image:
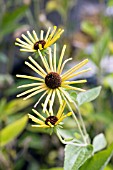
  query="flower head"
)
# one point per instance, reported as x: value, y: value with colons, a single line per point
x: 51, y: 81
x: 50, y: 120
x: 32, y: 43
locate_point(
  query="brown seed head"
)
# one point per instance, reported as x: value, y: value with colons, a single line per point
x: 53, y: 80
x: 51, y: 119
x: 36, y: 45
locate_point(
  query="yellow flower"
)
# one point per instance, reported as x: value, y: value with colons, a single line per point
x: 51, y: 81
x: 50, y: 120
x: 32, y: 43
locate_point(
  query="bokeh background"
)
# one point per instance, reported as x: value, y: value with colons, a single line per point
x: 88, y: 26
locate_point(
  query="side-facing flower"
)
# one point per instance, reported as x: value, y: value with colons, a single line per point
x: 52, y: 82
x: 32, y: 43
x: 51, y: 120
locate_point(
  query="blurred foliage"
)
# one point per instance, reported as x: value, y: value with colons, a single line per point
x: 24, y: 147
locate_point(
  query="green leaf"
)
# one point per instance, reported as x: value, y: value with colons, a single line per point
x: 89, y: 95
x: 110, y: 3
x: 16, y: 105
x: 11, y: 131
x: 75, y: 156
x: 9, y: 20
x: 54, y: 169
x: 100, y: 49
x: 99, y: 160
x: 13, y: 106
x: 99, y: 142
x: 89, y: 28
x: 108, y: 81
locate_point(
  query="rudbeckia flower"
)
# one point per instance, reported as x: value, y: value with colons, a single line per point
x: 32, y: 43
x: 51, y: 81
x: 50, y: 120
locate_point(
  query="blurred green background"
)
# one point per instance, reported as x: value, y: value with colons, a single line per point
x: 88, y: 34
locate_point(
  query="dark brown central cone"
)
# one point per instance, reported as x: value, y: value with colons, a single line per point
x: 53, y: 80
x: 51, y: 119
x: 36, y: 45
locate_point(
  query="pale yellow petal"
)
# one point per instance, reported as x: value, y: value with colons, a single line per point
x: 41, y: 35
x: 61, y: 109
x: 63, y: 64
x: 30, y: 77
x: 47, y: 100
x: 47, y: 34
x: 30, y: 85
x: 24, y: 46
x: 26, y: 50
x: 35, y: 36
x: 52, y: 102
x: 34, y: 69
x: 36, y: 92
x: 44, y: 62
x: 41, y: 126
x: 29, y: 91
x: 73, y: 69
x: 41, y: 98
x: 73, y: 82
x: 54, y: 58
x: 27, y: 40
x: 61, y: 58
x: 73, y: 88
x: 34, y: 119
x: 76, y: 74
x: 31, y: 37
x: 50, y: 59
x: 22, y: 42
x: 37, y: 65
x: 59, y: 96
x: 38, y: 114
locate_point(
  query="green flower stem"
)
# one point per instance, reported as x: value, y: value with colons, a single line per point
x: 72, y: 143
x: 82, y: 123
x: 76, y: 120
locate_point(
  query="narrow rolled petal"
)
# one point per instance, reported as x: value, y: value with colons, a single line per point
x: 61, y: 58
x: 38, y: 114
x: 34, y: 119
x: 30, y: 85
x: 47, y: 100
x: 35, y: 36
x: 29, y: 77
x: 63, y: 117
x: 59, y: 96
x: 74, y: 82
x: 73, y: 88
x: 36, y: 92
x: 50, y: 59
x: 66, y: 94
x: 37, y: 65
x: 41, y: 98
x: 73, y: 69
x: 44, y: 61
x: 34, y: 69
x: 61, y: 109
x: 29, y: 91
x: 21, y: 45
x: 76, y: 74
x: 62, y: 67
x: 31, y: 37
x: 48, y: 32
x: 27, y: 50
x: 27, y: 40
x: 41, y: 126
x: 52, y: 101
